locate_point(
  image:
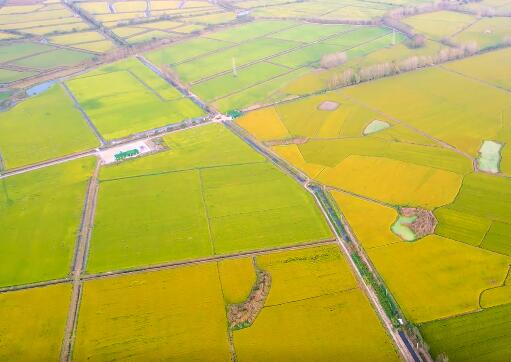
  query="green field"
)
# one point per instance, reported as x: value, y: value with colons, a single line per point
x: 123, y: 103
x: 246, y: 77
x: 185, y: 50
x: 43, y: 127
x: 224, y: 206
x: 439, y: 24
x: 53, y: 59
x: 40, y: 217
x: 480, y: 336
x: 7, y: 75
x: 221, y: 61
x: 9, y: 52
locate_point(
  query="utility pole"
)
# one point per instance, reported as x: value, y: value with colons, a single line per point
x: 234, y: 71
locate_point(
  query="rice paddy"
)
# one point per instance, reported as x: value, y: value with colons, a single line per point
x: 126, y: 102
x: 220, y: 201
x: 43, y: 127
x: 40, y: 218
x: 201, y: 246
x: 39, y: 314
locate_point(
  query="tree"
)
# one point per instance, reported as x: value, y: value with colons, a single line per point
x: 333, y: 60
x: 416, y: 41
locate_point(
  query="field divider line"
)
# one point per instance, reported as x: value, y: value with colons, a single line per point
x: 232, y: 44
x: 206, y: 211
x: 181, y: 170
x: 204, y: 260
x: 145, y: 85
x: 475, y: 79
x: 400, y: 339
x: 55, y: 161
x: 301, y: 45
x: 84, y: 114
x: 412, y: 128
x: 287, y: 73
x: 351, y: 289
x: 82, y: 247
x: 180, y: 88
x: 15, y: 288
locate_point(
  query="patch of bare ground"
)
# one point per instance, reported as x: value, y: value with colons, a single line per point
x: 328, y: 106
x: 286, y: 141
x: 242, y: 315
x: 425, y: 222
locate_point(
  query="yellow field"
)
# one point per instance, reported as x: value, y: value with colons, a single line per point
x: 237, y: 277
x: 176, y: 314
x: 440, y: 23
x: 126, y: 31
x: 497, y: 296
x: 4, y: 36
x: 33, y: 323
x: 73, y: 38
x: 476, y: 67
x: 96, y: 46
x: 369, y: 221
x: 129, y: 6
x: 452, y: 274
x: 292, y: 154
x: 314, y: 312
x: 95, y: 7
x: 394, y: 182
x: 454, y: 108
x: 63, y: 27
x: 264, y: 124
x: 161, y: 25
x: 343, y: 327
x: 306, y: 273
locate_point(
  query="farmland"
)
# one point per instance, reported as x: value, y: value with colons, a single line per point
x: 40, y: 224
x: 255, y: 180
x: 199, y: 296
x: 43, y: 127
x: 268, y: 55
x: 371, y: 176
x: 220, y: 197
x: 124, y: 89
x: 38, y: 314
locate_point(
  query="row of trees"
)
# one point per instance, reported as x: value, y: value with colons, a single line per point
x: 376, y: 71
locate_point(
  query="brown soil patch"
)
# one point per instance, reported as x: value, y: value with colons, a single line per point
x: 328, y: 106
x: 244, y: 314
x: 287, y: 141
x: 424, y: 224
